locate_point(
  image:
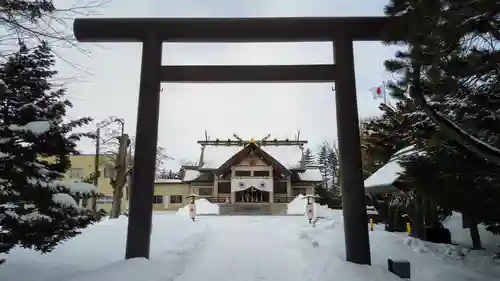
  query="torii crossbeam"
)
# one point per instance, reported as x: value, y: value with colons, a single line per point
x: 152, y: 32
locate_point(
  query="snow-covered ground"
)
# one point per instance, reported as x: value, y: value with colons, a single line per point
x: 298, y: 207
x: 247, y: 248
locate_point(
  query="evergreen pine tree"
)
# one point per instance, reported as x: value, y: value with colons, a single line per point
x: 162, y: 173
x: 452, y: 47
x: 308, y: 157
x: 37, y: 209
x: 334, y: 167
x: 450, y: 62
x: 385, y: 135
x: 322, y: 160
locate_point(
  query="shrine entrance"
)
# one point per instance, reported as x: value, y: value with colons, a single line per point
x: 251, y: 195
x: 152, y: 32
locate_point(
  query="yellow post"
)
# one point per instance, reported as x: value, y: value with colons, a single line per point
x: 408, y: 227
x: 371, y: 224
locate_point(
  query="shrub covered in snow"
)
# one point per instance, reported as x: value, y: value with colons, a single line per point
x: 37, y: 208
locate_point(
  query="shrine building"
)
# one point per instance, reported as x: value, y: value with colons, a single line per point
x: 259, y: 174
x: 253, y: 172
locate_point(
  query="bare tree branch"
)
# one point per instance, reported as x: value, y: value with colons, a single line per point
x: 32, y: 22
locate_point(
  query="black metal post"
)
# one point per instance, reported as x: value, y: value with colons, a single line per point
x: 353, y: 192
x: 141, y: 197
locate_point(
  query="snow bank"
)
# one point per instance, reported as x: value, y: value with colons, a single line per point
x: 101, y: 252
x: 441, y: 262
x: 126, y: 270
x: 480, y: 260
x: 463, y: 243
x: 322, y: 211
x: 461, y: 236
x: 203, y: 207
x: 203, y: 250
x: 298, y: 207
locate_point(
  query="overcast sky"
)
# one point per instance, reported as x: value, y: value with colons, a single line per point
x: 110, y: 87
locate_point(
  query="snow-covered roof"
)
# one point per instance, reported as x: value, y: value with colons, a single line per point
x: 214, y: 156
x: 313, y: 174
x: 289, y: 156
x: 168, y: 181
x: 190, y: 175
x: 384, y: 177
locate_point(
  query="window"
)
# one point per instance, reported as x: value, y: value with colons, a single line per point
x: 242, y: 173
x: 105, y: 199
x: 280, y: 187
x: 76, y: 173
x: 299, y: 190
x: 175, y: 199
x: 205, y: 191
x: 109, y: 172
x: 261, y: 173
x: 157, y: 199
x: 224, y: 187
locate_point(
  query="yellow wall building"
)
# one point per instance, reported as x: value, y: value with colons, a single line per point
x: 169, y: 195
x: 83, y: 166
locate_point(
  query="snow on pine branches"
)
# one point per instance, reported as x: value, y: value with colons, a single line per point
x: 38, y: 207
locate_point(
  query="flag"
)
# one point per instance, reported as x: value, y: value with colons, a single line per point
x: 378, y: 92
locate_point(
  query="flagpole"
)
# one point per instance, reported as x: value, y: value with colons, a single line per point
x: 385, y: 93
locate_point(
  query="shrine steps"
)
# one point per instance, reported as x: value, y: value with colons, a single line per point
x: 252, y: 209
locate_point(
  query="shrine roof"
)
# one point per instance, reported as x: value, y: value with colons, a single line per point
x: 288, y: 156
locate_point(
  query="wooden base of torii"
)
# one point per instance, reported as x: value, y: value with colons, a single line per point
x: 153, y: 32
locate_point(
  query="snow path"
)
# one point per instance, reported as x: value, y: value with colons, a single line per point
x: 247, y: 248
x: 241, y: 249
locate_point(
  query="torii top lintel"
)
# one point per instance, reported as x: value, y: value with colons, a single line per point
x: 289, y: 29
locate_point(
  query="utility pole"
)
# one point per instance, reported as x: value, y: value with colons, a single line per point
x: 96, y: 168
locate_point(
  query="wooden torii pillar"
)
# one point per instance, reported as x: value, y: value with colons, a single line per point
x: 152, y: 32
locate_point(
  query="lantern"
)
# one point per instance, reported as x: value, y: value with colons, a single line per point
x: 192, y: 206
x: 192, y: 211
x: 310, y: 212
x: 310, y: 207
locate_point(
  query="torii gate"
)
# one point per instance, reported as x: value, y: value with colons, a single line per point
x: 152, y: 32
